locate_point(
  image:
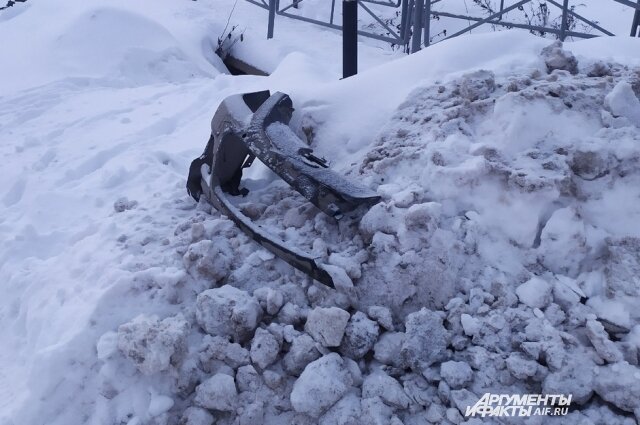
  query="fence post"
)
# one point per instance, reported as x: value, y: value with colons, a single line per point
x: 407, y: 7
x: 565, y: 16
x: 272, y: 18
x: 427, y: 24
x: 417, y: 26
x: 349, y: 38
x: 636, y: 22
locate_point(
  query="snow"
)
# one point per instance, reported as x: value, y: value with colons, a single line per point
x: 619, y: 383
x: 217, y: 348
x: 322, y: 383
x: 228, y: 311
x: 347, y: 411
x: 387, y: 348
x: 456, y: 374
x: 426, y: 339
x: 379, y: 384
x: 302, y: 352
x: 555, y: 57
x: 196, y: 416
x: 264, y: 348
x: 382, y: 315
x: 470, y: 325
x: 504, y: 256
x: 605, y: 348
x: 217, y: 393
x: 536, y: 293
x: 360, y: 335
x: 152, y: 344
x: 160, y: 404
x: 622, y: 102
x: 327, y: 325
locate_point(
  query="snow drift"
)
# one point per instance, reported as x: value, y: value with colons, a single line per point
x: 503, y: 258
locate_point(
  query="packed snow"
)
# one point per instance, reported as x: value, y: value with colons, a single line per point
x: 504, y: 256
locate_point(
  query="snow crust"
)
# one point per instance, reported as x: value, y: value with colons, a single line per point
x: 504, y: 256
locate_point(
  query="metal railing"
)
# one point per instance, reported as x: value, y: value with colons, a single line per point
x: 414, y: 29
x: 562, y: 32
x: 398, y: 36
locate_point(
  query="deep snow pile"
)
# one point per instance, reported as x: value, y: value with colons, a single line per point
x: 503, y: 258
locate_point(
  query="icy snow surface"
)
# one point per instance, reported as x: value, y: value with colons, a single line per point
x: 504, y: 256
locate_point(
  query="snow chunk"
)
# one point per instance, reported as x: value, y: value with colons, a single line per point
x: 598, y: 69
x: 327, y: 325
x: 107, y: 345
x: 339, y: 276
x: 421, y: 215
x: 247, y: 378
x: 210, y: 259
x: 302, y: 352
x: 619, y: 384
x: 294, y: 217
x: 426, y: 339
x: 563, y: 243
x: 354, y: 370
x: 321, y: 385
x: 253, y: 414
x: 350, y: 263
x: 612, y: 311
x: 272, y: 379
x: 520, y: 367
x: 435, y: 413
x: 470, y: 325
x: 575, y: 378
x: 196, y: 416
x: 375, y: 411
x: 360, y: 335
x: 347, y: 411
x: 622, y: 273
x: 535, y: 293
x: 380, y: 218
x: 275, y: 300
x: 152, y: 344
x: 555, y: 57
x: 588, y: 164
x: 605, y: 348
x: 290, y: 314
x: 456, y: 374
x: 219, y: 348
x: 477, y: 85
x: 217, y: 393
x: 388, y: 389
x: 462, y: 399
x: 264, y: 348
x: 382, y: 315
x: 228, y: 311
x: 123, y: 204
x: 387, y: 349
x: 160, y: 404
x: 623, y: 102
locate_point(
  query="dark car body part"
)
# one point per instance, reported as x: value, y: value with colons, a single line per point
x: 256, y: 125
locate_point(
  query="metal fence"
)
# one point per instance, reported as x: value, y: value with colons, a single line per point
x: 395, y: 35
x: 562, y: 31
x: 414, y: 28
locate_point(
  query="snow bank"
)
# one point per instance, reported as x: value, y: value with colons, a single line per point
x: 491, y: 263
x: 130, y: 43
x: 503, y: 257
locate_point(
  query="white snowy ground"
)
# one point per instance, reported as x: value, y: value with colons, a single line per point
x: 510, y: 196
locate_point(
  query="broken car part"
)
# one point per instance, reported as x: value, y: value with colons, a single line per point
x: 256, y: 125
